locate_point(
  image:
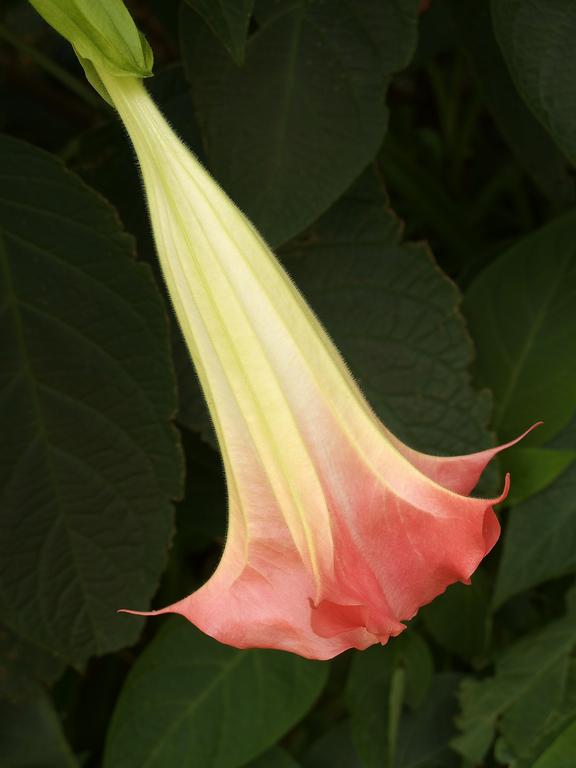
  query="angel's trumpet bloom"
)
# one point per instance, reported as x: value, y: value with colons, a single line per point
x: 337, y: 531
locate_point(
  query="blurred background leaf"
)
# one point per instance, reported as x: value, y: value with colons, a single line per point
x: 333, y: 749
x: 31, y: 735
x: 524, y: 135
x: 534, y: 469
x: 228, y: 20
x: 425, y: 733
x: 521, y: 315
x: 274, y: 758
x: 540, y: 541
x: 459, y: 620
x: 561, y: 753
x: 23, y: 665
x: 381, y: 681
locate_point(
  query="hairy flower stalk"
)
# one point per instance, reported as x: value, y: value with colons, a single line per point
x: 337, y: 531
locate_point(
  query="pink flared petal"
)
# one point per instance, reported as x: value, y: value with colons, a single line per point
x: 457, y: 473
x: 267, y: 606
x: 391, y: 557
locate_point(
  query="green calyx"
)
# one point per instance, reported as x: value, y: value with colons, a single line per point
x: 103, y: 35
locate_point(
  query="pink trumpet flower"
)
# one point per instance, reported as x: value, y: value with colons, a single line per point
x: 338, y: 532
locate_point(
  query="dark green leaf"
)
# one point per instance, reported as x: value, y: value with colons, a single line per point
x: 31, y: 735
x: 89, y: 458
x: 228, y: 20
x: 521, y: 315
x: 191, y: 701
x: 540, y: 541
x: 23, y: 666
x: 380, y: 681
x: 459, y: 620
x: 527, y: 688
x: 537, y: 41
x: 307, y: 107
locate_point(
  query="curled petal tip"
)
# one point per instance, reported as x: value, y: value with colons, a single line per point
x: 505, y: 490
x: 139, y: 613
x: 524, y: 434
x: 516, y: 440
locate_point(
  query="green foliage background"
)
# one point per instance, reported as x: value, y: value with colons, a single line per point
x: 414, y: 169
